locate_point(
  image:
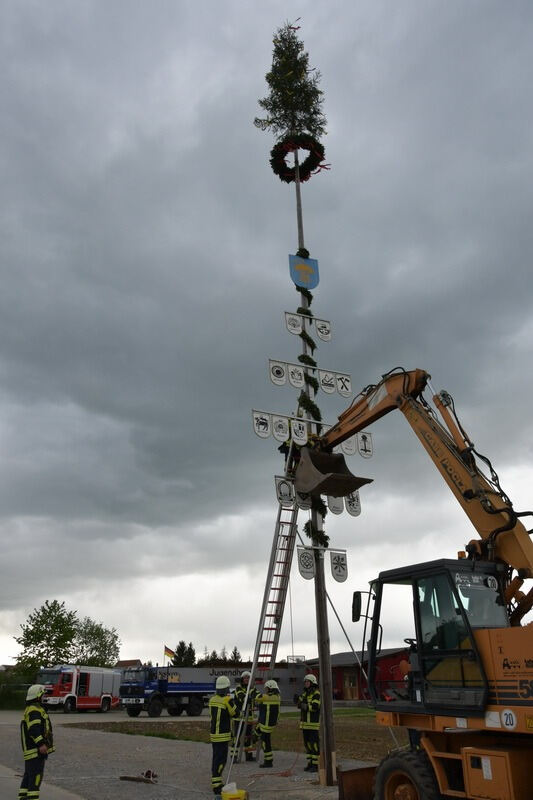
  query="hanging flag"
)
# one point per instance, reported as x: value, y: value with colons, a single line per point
x: 344, y: 385
x: 294, y: 323
x: 326, y: 381
x: 364, y: 445
x: 335, y: 505
x: 261, y: 423
x: 299, y: 432
x: 339, y: 565
x: 169, y: 653
x: 296, y: 376
x: 353, y: 503
x: 280, y: 428
x: 304, y: 271
x: 277, y: 371
x: 349, y: 446
x: 303, y: 501
x: 284, y: 491
x: 306, y: 562
x: 323, y: 329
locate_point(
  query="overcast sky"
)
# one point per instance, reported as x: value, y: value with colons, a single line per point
x: 144, y: 276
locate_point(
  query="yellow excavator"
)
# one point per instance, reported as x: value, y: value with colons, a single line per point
x: 464, y: 691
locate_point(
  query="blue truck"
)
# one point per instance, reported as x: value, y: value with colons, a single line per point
x: 177, y: 689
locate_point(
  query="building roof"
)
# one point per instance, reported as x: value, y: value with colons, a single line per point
x: 132, y: 662
x: 347, y: 659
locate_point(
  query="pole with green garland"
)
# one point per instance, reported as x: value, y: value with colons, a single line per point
x: 293, y: 113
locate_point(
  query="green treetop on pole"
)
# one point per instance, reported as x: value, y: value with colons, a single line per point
x: 294, y: 105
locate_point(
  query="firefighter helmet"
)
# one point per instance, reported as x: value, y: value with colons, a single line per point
x: 223, y: 682
x: 35, y: 692
x: 271, y: 685
x: 311, y: 678
x: 246, y: 674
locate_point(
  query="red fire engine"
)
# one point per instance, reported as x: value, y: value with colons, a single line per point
x: 75, y: 688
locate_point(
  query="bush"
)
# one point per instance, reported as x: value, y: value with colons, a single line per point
x: 13, y: 696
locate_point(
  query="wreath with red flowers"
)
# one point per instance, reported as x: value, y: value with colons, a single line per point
x: 289, y: 144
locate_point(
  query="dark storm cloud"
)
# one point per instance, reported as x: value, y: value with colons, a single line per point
x: 144, y: 267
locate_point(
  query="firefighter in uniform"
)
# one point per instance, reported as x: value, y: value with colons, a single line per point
x: 309, y: 704
x: 37, y: 743
x: 268, y: 705
x: 221, y: 709
x: 246, y: 715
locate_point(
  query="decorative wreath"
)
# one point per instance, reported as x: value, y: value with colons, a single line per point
x: 302, y: 141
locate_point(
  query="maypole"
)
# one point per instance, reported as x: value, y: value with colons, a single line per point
x: 294, y: 115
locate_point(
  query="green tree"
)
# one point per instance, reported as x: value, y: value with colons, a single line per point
x: 185, y: 655
x: 180, y: 651
x: 95, y: 645
x: 294, y: 104
x: 47, y: 636
x: 235, y: 657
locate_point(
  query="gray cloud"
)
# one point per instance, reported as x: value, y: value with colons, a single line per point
x: 144, y: 273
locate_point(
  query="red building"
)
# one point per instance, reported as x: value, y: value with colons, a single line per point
x: 347, y: 676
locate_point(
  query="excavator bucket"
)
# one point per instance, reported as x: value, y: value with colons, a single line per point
x: 325, y: 473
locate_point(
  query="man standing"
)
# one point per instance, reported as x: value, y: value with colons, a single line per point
x: 268, y: 705
x: 37, y: 743
x: 221, y: 709
x: 309, y: 704
x: 244, y: 716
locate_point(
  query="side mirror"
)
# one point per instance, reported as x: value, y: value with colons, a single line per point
x: 356, y: 607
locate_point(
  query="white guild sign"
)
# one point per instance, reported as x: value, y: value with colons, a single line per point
x: 261, y: 423
x: 339, y: 566
x: 277, y: 371
x: 280, y: 428
x: 294, y: 323
x: 335, y: 505
x: 284, y: 491
x: 306, y: 562
x: 299, y: 432
x: 353, y: 503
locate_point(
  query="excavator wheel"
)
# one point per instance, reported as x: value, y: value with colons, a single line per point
x: 405, y: 775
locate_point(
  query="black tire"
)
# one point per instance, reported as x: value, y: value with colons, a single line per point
x: 155, y: 707
x: 69, y: 706
x: 175, y: 711
x: 195, y: 707
x: 105, y: 705
x: 133, y: 712
x: 407, y: 774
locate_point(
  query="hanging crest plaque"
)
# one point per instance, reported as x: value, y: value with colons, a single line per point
x: 323, y: 329
x: 327, y: 381
x: 339, y: 565
x: 284, y: 491
x: 280, y: 428
x: 306, y: 562
x: 349, y: 446
x: 353, y: 503
x: 335, y: 505
x: 278, y: 372
x: 294, y: 323
x: 261, y: 422
x: 364, y: 445
x: 299, y: 432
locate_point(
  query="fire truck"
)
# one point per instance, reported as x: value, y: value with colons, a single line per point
x: 74, y: 688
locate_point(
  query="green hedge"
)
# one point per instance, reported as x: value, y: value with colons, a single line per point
x: 13, y: 697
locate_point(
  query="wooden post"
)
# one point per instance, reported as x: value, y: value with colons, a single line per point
x: 328, y: 766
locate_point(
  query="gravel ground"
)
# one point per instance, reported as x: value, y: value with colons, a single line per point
x: 90, y: 764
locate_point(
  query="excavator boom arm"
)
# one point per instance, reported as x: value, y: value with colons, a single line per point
x: 502, y: 534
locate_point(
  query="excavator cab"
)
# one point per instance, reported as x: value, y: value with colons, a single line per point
x: 319, y: 472
x: 442, y: 670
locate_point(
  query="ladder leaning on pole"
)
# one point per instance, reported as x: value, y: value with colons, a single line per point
x: 276, y: 586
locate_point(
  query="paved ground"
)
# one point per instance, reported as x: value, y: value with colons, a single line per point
x: 88, y: 764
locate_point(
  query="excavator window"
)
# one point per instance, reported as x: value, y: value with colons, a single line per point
x: 450, y: 667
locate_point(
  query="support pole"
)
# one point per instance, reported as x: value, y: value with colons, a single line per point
x: 328, y: 766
